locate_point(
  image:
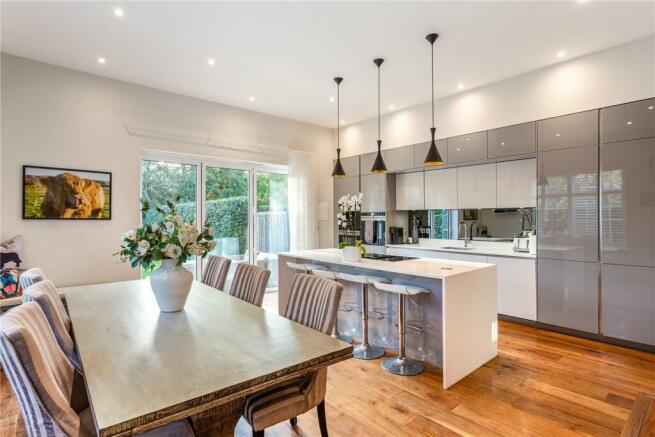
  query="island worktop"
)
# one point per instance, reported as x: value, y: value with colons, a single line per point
x: 455, y: 325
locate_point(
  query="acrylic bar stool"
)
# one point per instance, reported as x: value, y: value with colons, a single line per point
x: 401, y: 365
x: 305, y: 268
x: 364, y: 351
x: 335, y: 333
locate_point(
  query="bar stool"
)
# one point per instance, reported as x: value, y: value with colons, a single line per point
x: 401, y: 365
x: 364, y: 351
x: 305, y: 268
x: 335, y: 332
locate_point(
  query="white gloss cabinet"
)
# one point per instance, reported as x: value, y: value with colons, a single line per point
x: 410, y: 191
x: 441, y: 189
x: 517, y: 286
x: 476, y: 186
x: 516, y: 184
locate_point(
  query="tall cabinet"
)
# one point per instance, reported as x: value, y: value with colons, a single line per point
x: 567, y: 221
x: 628, y: 221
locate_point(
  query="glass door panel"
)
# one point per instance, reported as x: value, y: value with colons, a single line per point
x: 167, y: 181
x: 226, y: 210
x: 271, y: 221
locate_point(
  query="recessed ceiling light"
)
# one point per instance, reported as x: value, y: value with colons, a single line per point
x: 459, y: 148
x: 561, y: 54
x: 391, y: 107
x: 628, y: 123
x: 460, y: 86
x: 502, y: 144
x: 211, y: 62
x: 557, y: 135
x: 119, y: 12
x: 331, y: 99
x: 251, y: 98
x: 650, y: 108
x: 101, y: 60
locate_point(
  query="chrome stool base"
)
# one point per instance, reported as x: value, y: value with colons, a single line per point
x: 402, y: 366
x: 367, y: 352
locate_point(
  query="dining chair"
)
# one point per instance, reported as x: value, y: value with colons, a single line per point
x: 313, y: 302
x: 216, y: 271
x: 45, y: 295
x: 31, y: 276
x: 249, y: 283
x: 42, y: 378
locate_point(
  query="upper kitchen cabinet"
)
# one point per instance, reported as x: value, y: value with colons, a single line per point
x: 421, y: 150
x: 410, y: 191
x: 628, y: 122
x: 516, y: 183
x: 441, y: 189
x: 476, y: 186
x: 512, y: 140
x: 350, y: 165
x: 396, y: 159
x: 627, y: 181
x: 471, y: 147
x: 572, y: 130
x: 378, y: 192
x: 567, y: 201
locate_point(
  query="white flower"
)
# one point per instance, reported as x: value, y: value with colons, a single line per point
x: 129, y: 235
x: 170, y: 227
x: 154, y: 227
x: 143, y: 247
x: 173, y: 251
x: 179, y: 219
x: 211, y: 245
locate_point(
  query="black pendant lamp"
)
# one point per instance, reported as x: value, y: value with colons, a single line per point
x: 338, y: 171
x: 433, y: 157
x: 378, y: 165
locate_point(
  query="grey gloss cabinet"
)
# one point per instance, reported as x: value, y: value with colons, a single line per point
x: 574, y: 130
x: 470, y: 147
x: 512, y: 140
x: 421, y: 150
x: 396, y: 159
x: 628, y: 203
x: 567, y: 294
x: 628, y: 310
x: 350, y: 165
x: 378, y: 192
x: 567, y: 203
x: 628, y: 122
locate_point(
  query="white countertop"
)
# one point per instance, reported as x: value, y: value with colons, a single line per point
x: 423, y: 267
x: 490, y: 251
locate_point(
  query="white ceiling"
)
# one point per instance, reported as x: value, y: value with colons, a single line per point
x: 285, y: 54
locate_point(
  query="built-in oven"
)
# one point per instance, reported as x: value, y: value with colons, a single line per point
x: 372, y: 229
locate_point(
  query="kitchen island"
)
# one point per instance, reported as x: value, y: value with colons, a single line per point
x: 453, y: 327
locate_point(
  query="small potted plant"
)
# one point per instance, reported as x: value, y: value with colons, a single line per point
x: 347, y: 208
x: 170, y: 242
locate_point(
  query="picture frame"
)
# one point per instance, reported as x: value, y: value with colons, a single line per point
x: 59, y: 193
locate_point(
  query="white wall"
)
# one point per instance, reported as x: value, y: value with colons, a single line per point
x: 616, y: 75
x: 58, y: 117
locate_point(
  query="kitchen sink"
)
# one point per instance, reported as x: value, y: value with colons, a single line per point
x: 457, y: 248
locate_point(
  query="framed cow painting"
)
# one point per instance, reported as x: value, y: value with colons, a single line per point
x: 66, y: 194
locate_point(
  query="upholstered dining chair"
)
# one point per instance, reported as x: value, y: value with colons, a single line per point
x: 42, y: 378
x: 45, y: 294
x: 216, y: 271
x: 313, y: 302
x: 31, y: 276
x: 249, y: 283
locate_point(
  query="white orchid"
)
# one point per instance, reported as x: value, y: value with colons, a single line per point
x: 130, y: 235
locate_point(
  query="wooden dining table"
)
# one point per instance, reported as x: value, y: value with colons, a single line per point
x: 144, y: 368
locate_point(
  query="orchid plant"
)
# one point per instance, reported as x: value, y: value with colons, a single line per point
x: 171, y: 238
x: 347, y: 207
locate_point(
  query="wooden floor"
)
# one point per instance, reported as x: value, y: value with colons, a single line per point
x: 542, y: 383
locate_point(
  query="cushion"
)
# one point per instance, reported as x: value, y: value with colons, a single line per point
x: 9, y: 286
x: 11, y: 253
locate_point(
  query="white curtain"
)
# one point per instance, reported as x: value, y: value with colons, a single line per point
x: 303, y: 220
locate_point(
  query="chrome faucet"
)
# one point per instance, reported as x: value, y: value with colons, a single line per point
x: 467, y: 235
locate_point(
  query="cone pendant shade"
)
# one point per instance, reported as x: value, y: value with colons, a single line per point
x: 338, y: 171
x: 378, y: 164
x: 433, y: 157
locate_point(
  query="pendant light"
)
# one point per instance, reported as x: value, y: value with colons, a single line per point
x: 378, y: 164
x: 338, y: 171
x: 433, y: 157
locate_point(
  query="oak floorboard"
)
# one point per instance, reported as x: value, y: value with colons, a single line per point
x: 541, y: 383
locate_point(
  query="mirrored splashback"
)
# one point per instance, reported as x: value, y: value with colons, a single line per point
x: 491, y: 224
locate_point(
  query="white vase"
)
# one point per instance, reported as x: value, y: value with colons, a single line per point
x: 351, y: 254
x: 171, y: 285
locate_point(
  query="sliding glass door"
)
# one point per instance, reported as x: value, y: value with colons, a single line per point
x: 226, y: 209
x: 247, y: 207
